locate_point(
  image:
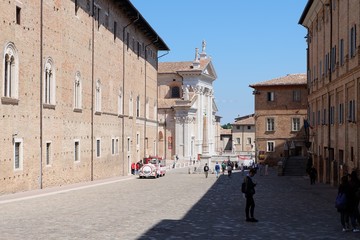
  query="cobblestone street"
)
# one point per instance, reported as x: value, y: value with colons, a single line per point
x: 177, y: 206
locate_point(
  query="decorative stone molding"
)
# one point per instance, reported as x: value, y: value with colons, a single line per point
x: 184, y: 119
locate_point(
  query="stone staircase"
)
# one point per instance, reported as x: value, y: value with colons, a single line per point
x: 295, y: 166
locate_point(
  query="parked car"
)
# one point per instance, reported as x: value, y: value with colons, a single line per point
x: 153, y: 167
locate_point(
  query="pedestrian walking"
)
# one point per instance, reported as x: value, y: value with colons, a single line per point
x: 223, y: 167
x: 354, y: 194
x: 312, y: 175
x: 217, y: 169
x: 229, y: 169
x: 341, y: 203
x: 249, y: 191
x: 206, y: 170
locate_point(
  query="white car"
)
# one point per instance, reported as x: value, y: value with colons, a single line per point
x: 151, y: 170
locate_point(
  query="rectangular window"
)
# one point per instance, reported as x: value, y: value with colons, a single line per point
x: 77, y: 151
x: 341, y: 113
x: 342, y: 52
x: 318, y: 117
x: 327, y: 64
x: 248, y: 141
x: 295, y: 126
x: 128, y: 144
x: 332, y: 115
x: 296, y: 96
x: 333, y: 59
x: 324, y: 117
x: 351, y: 112
x: 352, y: 41
x: 137, y: 139
x: 270, y: 96
x: 249, y: 127
x: 138, y: 106
x: 98, y: 147
x: 18, y: 154
x: 270, y: 146
x: 18, y: 15
x: 115, y: 30
x: 320, y: 69
x: 238, y: 140
x: 113, y: 146
x: 48, y: 153
x: 270, y: 124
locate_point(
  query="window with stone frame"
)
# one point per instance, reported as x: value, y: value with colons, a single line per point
x: 295, y: 124
x: 270, y: 146
x: 11, y: 72
x: 77, y: 150
x: 270, y: 124
x: 49, y: 82
x: 296, y: 95
x: 18, y: 154
x: 270, y: 96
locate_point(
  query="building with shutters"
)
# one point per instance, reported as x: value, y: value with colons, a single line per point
x: 333, y: 79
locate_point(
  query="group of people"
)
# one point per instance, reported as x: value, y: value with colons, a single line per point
x: 349, y: 192
x: 135, y: 167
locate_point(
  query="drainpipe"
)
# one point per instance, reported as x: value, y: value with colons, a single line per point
x: 123, y: 91
x: 328, y: 170
x: 92, y: 91
x: 41, y: 95
x: 145, y: 123
x: 157, y: 115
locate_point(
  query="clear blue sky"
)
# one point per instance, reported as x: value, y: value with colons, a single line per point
x: 249, y: 42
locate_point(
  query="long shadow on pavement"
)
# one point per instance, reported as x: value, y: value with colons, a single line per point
x: 287, y: 208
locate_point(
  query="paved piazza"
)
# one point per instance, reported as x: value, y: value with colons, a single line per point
x: 177, y: 206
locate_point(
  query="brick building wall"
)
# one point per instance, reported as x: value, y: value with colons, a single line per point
x: 280, y: 111
x: 333, y: 82
x: 61, y: 140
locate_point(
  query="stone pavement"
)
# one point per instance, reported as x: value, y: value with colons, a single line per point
x: 177, y: 206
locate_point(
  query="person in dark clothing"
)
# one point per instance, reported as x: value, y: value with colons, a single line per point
x: 347, y: 210
x: 206, y: 170
x: 354, y: 185
x: 249, y: 195
x: 312, y: 175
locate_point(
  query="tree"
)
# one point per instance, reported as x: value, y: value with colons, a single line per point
x: 226, y: 126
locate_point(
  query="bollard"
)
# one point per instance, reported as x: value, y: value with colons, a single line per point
x: 189, y: 170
